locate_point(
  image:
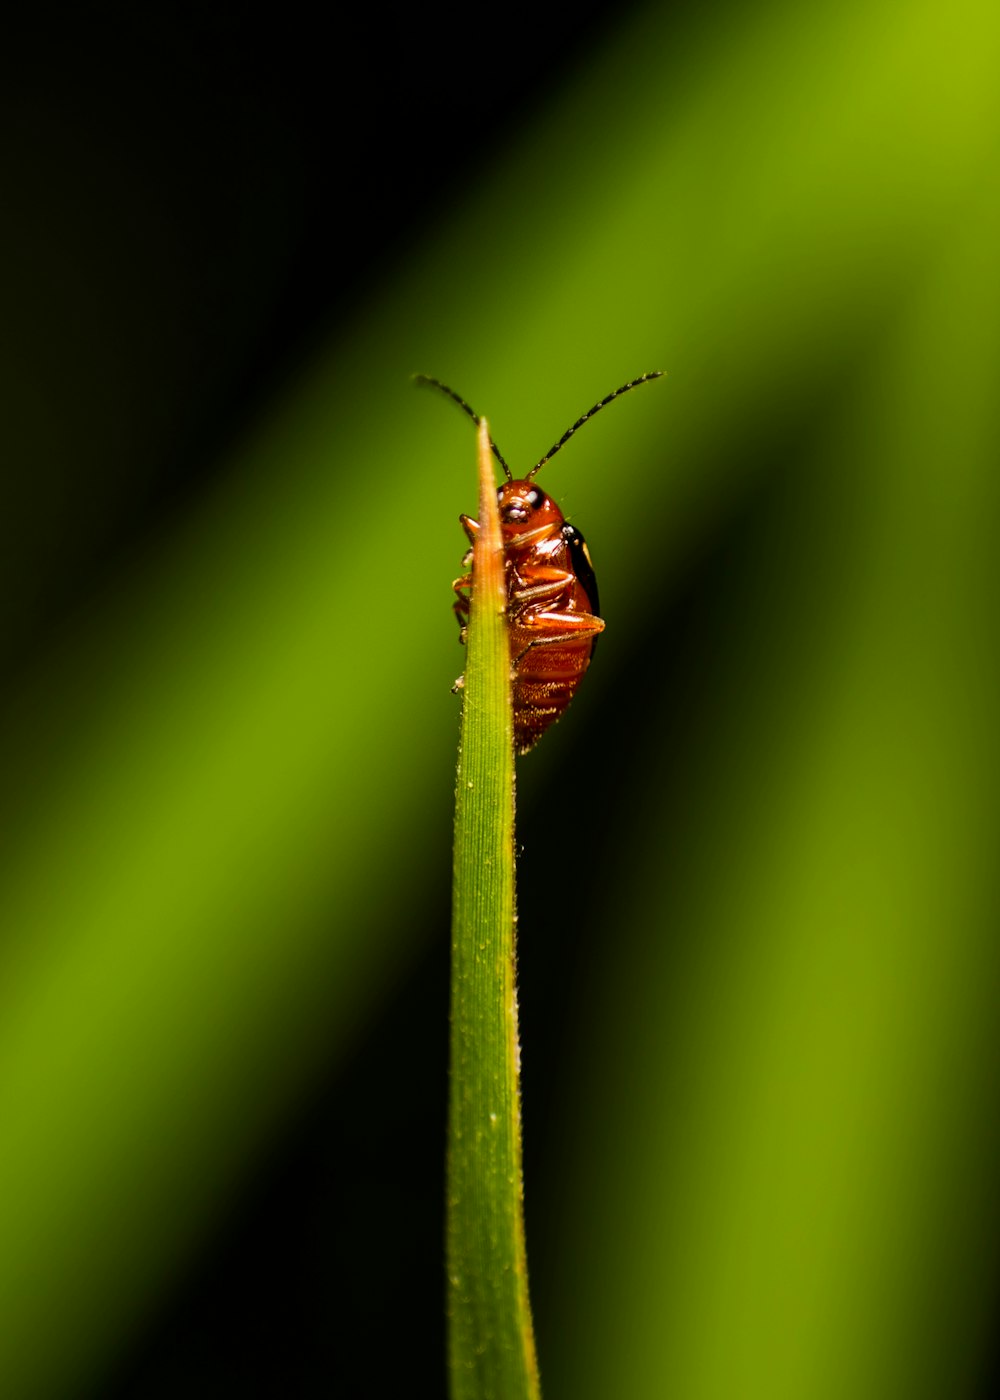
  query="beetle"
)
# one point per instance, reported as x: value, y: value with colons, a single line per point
x: 552, y: 601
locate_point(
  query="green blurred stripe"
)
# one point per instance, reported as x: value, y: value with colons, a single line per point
x: 791, y: 1158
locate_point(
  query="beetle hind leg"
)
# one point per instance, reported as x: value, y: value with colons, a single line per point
x: 555, y: 629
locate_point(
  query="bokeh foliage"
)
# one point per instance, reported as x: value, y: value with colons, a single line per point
x: 764, y: 837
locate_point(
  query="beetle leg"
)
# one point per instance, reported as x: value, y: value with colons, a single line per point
x: 463, y: 587
x: 562, y: 627
x: 470, y: 526
x: 541, y: 582
x: 461, y: 605
x: 556, y: 628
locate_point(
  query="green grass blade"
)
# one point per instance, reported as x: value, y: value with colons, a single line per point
x: 491, y: 1348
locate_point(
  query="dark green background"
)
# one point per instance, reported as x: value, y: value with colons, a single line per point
x: 758, y: 890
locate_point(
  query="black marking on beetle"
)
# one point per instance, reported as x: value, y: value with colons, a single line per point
x: 582, y: 567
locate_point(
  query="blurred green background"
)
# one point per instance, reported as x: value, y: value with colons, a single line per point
x: 758, y: 890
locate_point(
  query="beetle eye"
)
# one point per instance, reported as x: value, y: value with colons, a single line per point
x: 534, y: 498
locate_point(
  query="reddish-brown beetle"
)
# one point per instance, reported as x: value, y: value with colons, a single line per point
x: 552, y: 604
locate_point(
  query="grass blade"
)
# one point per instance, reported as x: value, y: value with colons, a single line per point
x: 491, y: 1349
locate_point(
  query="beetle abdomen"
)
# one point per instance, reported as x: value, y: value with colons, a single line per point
x: 543, y: 686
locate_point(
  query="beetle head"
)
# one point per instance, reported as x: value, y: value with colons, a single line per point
x: 526, y: 511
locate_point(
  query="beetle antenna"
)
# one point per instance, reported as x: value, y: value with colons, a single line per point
x: 436, y: 384
x: 632, y: 384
